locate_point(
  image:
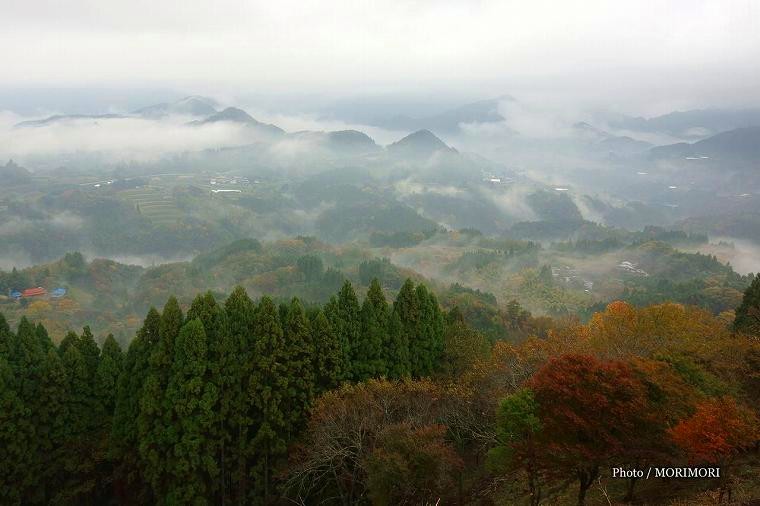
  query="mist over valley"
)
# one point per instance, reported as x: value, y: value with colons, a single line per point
x: 380, y: 253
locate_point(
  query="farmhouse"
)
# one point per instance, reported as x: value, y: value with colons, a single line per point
x: 34, y: 292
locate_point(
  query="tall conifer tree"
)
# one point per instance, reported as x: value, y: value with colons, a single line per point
x: 327, y: 355
x: 80, y: 462
x: 70, y: 339
x: 155, y: 412
x: 14, y: 438
x: 224, y: 367
x: 107, y: 377
x: 90, y: 352
x: 236, y: 362
x: 397, y: 350
x: 26, y: 358
x: 407, y: 307
x: 51, y: 424
x: 124, y: 447
x: 267, y: 391
x: 368, y: 352
x: 347, y: 323
x: 299, y: 368
x: 429, y: 333
x: 191, y: 463
x: 44, y: 337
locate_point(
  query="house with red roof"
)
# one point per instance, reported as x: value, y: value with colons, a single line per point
x: 34, y: 292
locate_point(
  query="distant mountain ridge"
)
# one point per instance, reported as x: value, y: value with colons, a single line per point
x: 420, y: 143
x: 693, y: 124
x: 188, y: 106
x: 229, y: 114
x: 347, y: 142
x: 57, y: 118
x: 604, y: 141
x: 235, y: 115
x: 739, y: 144
x: 351, y: 140
x: 351, y: 137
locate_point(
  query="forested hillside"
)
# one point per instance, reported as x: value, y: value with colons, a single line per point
x: 479, y: 273
x: 238, y: 401
x: 379, y: 253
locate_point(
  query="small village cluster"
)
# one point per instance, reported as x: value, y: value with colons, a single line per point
x: 569, y: 275
x: 38, y: 293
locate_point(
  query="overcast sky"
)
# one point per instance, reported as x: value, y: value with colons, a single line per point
x: 632, y: 54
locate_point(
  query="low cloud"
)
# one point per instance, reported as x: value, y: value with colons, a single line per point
x: 742, y: 254
x: 118, y: 139
x: 133, y: 139
x: 407, y: 187
x: 587, y: 211
x: 65, y: 221
x: 513, y: 201
x: 527, y: 119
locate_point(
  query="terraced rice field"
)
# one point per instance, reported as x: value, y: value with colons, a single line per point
x: 154, y: 204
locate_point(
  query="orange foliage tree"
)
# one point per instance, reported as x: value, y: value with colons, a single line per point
x: 590, y: 411
x: 718, y: 430
x: 715, y: 434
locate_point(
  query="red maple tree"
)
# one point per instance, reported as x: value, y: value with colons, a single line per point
x: 718, y: 430
x: 589, y: 410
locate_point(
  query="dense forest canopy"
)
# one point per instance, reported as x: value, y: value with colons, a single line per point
x: 370, y: 401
